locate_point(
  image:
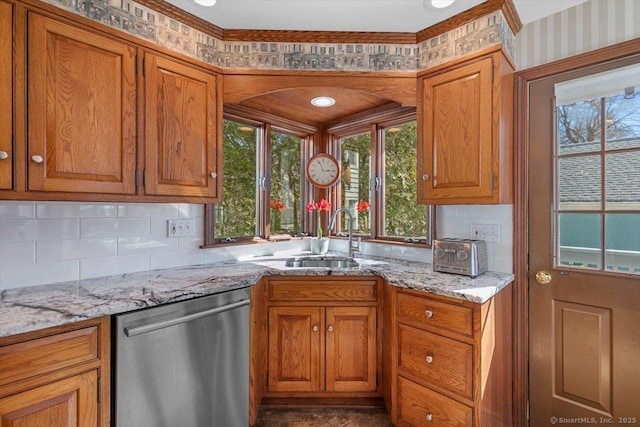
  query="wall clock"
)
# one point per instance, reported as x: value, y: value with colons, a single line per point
x: 323, y: 170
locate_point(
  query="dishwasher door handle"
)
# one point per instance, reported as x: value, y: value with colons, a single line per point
x: 131, y: 332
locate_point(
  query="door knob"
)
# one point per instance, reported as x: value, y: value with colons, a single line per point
x: 3, y: 155
x: 543, y: 277
x: 37, y: 159
x: 315, y: 328
x: 330, y: 329
x: 213, y: 175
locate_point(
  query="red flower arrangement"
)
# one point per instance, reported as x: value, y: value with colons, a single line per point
x: 363, y: 206
x: 323, y: 205
x: 277, y: 205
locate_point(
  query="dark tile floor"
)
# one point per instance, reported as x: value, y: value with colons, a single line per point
x: 310, y: 417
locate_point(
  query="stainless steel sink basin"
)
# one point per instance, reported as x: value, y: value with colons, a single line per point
x: 335, y: 262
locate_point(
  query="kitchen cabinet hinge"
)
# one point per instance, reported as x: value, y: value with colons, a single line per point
x: 493, y: 73
x: 144, y: 68
x: 99, y: 394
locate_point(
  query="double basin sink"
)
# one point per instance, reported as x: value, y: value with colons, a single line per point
x: 321, y: 262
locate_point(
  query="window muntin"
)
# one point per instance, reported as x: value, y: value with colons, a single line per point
x: 598, y: 182
x: 285, y: 204
x: 236, y: 216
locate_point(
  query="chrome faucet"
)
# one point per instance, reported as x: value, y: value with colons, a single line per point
x: 332, y: 223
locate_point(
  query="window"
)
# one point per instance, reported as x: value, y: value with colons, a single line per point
x: 236, y: 215
x: 285, y: 202
x: 265, y: 191
x: 378, y: 181
x: 597, y: 180
x: 263, y: 180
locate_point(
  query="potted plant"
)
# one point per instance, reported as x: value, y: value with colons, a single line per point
x: 319, y: 244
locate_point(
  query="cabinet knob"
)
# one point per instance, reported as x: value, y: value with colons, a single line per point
x: 330, y: 328
x: 428, y: 313
x: 426, y: 177
x: 213, y: 175
x: 3, y: 155
x: 315, y: 328
x: 429, y: 417
x: 429, y: 359
x: 37, y: 159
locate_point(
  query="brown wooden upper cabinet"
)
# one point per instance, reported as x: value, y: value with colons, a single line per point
x: 181, y: 105
x: 81, y: 110
x: 465, y: 110
x: 6, y: 99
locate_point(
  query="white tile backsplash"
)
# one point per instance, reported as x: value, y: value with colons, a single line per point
x: 48, y: 242
x: 456, y: 221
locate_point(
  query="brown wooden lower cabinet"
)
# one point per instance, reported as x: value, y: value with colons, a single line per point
x: 434, y: 360
x: 322, y: 336
x: 56, y: 377
x: 453, y: 361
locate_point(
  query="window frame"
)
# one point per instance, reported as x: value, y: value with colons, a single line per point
x: 265, y: 124
x: 376, y: 124
x: 313, y: 141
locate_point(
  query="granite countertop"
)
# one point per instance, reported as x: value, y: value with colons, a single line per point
x: 39, y: 307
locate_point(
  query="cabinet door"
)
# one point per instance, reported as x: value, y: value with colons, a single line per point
x: 295, y: 342
x: 181, y: 134
x: 69, y: 402
x: 82, y: 106
x: 351, y: 348
x: 6, y: 100
x: 457, y: 134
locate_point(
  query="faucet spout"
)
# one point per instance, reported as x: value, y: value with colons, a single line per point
x: 332, y: 223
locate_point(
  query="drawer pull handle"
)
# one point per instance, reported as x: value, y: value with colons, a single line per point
x: 330, y: 328
x: 429, y: 417
x: 315, y: 328
x: 429, y: 359
x: 428, y: 313
x: 37, y: 159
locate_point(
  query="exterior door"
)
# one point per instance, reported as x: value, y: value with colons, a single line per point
x: 584, y: 248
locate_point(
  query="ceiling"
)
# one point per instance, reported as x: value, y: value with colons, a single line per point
x: 348, y: 15
x: 399, y: 16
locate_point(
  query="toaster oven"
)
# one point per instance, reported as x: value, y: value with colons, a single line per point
x: 460, y: 256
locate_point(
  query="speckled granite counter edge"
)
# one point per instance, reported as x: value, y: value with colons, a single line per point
x: 34, y: 308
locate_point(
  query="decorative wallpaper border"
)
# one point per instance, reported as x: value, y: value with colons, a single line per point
x: 143, y: 22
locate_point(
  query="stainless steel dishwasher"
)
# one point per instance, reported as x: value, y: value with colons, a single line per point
x: 184, y: 364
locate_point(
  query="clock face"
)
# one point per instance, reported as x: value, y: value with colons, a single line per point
x: 323, y: 170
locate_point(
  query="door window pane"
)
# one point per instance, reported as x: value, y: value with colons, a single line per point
x: 355, y: 154
x: 236, y: 215
x: 623, y: 120
x: 403, y: 216
x: 580, y: 240
x: 622, y: 188
x: 623, y: 243
x: 579, y: 127
x: 579, y: 183
x: 285, y: 204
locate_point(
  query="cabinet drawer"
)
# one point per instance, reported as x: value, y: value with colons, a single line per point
x: 329, y: 290
x: 420, y: 406
x: 436, y: 314
x: 442, y: 361
x: 40, y: 356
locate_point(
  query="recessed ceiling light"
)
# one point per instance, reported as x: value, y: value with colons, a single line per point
x: 323, y: 101
x: 440, y: 4
x: 206, y: 3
